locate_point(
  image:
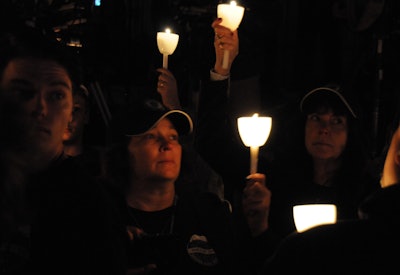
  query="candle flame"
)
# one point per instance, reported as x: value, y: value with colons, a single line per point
x: 168, y: 30
x: 233, y: 3
x: 254, y: 130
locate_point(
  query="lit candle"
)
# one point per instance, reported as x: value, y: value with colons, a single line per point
x: 231, y: 15
x: 254, y: 132
x: 167, y: 42
x: 307, y: 216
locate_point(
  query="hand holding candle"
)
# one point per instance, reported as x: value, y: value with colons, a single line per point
x: 231, y: 15
x: 254, y: 132
x: 167, y: 43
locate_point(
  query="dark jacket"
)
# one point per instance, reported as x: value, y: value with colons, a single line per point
x: 73, y: 228
x: 197, y: 234
x: 358, y: 246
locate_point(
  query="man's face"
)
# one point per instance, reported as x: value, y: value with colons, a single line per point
x: 156, y: 155
x: 325, y: 135
x: 80, y: 118
x: 42, y: 90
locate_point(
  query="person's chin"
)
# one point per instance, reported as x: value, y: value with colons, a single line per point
x: 43, y: 142
x: 322, y: 153
x: 168, y: 174
x: 67, y: 136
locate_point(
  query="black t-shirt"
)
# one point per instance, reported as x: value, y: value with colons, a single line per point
x: 193, y: 237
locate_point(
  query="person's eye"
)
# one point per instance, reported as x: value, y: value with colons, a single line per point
x: 313, y: 117
x: 174, y: 138
x: 57, y: 95
x: 337, y: 121
x: 149, y: 136
x: 23, y: 92
x: 26, y: 94
x: 76, y: 110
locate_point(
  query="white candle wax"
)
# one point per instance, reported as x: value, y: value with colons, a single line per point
x: 254, y: 132
x: 167, y: 42
x: 231, y: 15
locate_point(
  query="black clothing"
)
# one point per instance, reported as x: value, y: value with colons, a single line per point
x: 197, y: 172
x: 217, y: 139
x: 92, y: 160
x: 358, y: 246
x: 291, y: 183
x: 192, y: 237
x: 288, y: 167
x: 73, y: 228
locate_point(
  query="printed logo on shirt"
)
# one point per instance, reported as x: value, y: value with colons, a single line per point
x: 201, y: 252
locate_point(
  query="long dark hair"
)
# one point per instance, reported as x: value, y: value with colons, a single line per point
x: 355, y: 157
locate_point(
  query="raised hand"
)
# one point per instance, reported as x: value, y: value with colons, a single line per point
x: 224, y: 39
x: 256, y: 202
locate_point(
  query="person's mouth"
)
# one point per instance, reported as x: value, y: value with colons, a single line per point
x: 322, y: 144
x: 43, y: 130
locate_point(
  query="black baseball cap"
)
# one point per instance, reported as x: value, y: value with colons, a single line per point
x: 329, y: 93
x: 146, y: 114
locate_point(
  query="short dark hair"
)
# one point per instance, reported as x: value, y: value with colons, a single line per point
x: 83, y: 92
x: 26, y: 42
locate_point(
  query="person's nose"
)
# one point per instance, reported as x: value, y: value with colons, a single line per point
x: 165, y: 143
x: 40, y: 107
x: 324, y: 127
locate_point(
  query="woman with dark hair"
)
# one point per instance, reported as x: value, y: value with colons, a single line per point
x: 328, y: 163
x: 353, y: 246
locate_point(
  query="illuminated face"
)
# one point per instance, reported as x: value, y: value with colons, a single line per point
x: 156, y: 155
x: 325, y: 135
x: 42, y: 90
x: 80, y: 118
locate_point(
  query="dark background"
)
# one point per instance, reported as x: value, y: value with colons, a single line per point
x: 287, y: 47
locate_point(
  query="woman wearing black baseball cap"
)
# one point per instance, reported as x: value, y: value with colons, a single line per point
x: 174, y: 226
x: 328, y: 163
